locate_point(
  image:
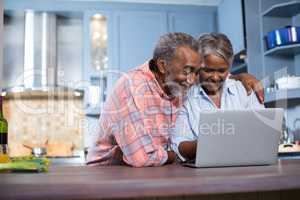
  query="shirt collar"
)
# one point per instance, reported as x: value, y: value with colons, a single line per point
x: 150, y: 75
x: 148, y: 68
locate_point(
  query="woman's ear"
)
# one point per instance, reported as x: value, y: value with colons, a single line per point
x: 161, y: 65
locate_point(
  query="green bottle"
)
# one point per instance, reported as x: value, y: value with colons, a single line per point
x: 3, y: 131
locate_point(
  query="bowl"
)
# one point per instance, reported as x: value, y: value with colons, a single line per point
x: 288, y: 82
x: 39, y: 151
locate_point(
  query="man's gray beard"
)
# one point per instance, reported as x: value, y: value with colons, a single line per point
x: 177, y: 92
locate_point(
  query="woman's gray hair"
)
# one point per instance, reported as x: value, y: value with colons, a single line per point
x: 217, y: 44
x: 168, y: 43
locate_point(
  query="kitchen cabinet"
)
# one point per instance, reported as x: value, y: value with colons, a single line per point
x: 193, y: 23
x: 271, y: 64
x: 231, y: 23
x: 132, y: 32
x: 13, y: 47
x: 282, y: 95
x: 281, y: 60
x: 69, y: 48
x: 254, y: 51
x: 240, y: 63
x: 97, y: 62
x: 137, y: 34
x: 137, y: 31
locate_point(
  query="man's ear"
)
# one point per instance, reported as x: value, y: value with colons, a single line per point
x: 161, y: 65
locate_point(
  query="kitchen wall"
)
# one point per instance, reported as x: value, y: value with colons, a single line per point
x: 52, y: 120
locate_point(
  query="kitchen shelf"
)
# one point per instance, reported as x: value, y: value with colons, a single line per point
x: 283, y: 94
x: 284, y: 50
x: 289, y: 149
x: 237, y: 68
x: 239, y: 63
x: 288, y: 9
x: 42, y: 93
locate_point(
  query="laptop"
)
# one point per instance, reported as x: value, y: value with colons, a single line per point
x: 238, y: 138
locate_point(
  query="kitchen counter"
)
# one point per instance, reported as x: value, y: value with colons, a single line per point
x: 87, y: 182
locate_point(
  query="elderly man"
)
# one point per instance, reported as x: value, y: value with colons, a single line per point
x: 137, y: 118
x: 214, y: 91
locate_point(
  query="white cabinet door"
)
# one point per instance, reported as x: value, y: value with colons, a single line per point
x: 137, y: 34
x: 193, y: 23
x: 230, y: 22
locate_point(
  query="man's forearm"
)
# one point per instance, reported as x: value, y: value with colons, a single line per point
x: 188, y: 149
x: 171, y: 157
x: 251, y: 84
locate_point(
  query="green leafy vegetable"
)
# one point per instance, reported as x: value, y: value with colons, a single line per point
x: 28, y: 163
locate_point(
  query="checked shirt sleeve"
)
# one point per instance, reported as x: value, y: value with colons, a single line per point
x: 132, y: 131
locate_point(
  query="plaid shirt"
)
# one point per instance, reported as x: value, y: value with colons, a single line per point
x: 135, y: 122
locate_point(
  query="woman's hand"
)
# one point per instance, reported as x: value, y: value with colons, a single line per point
x: 251, y: 84
x: 188, y: 149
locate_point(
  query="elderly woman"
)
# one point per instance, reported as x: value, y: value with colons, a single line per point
x: 214, y: 91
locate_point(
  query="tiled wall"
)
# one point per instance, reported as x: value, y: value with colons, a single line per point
x: 51, y: 122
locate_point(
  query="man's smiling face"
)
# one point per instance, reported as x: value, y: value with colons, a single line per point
x: 181, y: 71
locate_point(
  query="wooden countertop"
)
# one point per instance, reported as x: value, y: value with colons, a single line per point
x: 87, y: 182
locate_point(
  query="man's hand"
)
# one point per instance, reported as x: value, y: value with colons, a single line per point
x: 188, y: 149
x: 251, y: 83
x: 171, y: 157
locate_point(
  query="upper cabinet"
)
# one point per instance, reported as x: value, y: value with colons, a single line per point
x: 138, y: 28
x: 230, y: 22
x: 136, y: 32
x: 100, y: 40
x: 97, y: 31
x: 193, y: 23
x: 136, y: 36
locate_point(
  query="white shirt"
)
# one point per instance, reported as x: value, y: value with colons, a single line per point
x: 234, y: 97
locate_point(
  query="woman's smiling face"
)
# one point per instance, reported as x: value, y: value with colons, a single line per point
x: 213, y: 73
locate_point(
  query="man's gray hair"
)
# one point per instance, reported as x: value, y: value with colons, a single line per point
x: 168, y: 43
x: 217, y: 44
